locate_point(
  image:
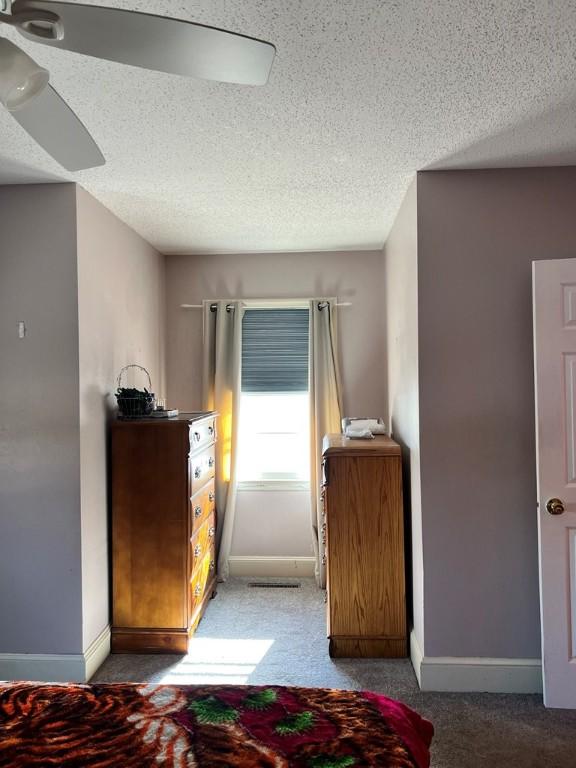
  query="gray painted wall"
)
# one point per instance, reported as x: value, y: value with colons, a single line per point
x: 91, y: 292
x: 478, y: 232
x: 401, y: 287
x: 40, y: 562
x: 352, y: 276
x: 121, y: 321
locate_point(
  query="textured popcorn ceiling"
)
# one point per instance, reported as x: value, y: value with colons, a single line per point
x: 362, y: 94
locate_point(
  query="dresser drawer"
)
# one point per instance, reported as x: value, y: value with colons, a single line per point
x: 202, y: 468
x: 202, y: 433
x: 200, y: 581
x: 202, y: 505
x: 202, y: 543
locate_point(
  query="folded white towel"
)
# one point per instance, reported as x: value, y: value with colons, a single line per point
x: 379, y: 430
x: 376, y: 427
x: 359, y: 434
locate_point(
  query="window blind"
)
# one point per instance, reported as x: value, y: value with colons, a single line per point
x: 275, y: 350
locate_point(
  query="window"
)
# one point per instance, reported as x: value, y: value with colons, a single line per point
x: 274, y: 446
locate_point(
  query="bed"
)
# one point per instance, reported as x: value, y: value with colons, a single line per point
x: 169, y: 726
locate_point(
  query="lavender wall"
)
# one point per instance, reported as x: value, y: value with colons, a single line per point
x: 120, y: 321
x: 91, y: 293
x: 40, y: 560
x: 401, y: 290
x: 478, y: 233
x: 353, y: 276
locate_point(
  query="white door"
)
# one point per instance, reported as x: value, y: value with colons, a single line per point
x: 554, y: 294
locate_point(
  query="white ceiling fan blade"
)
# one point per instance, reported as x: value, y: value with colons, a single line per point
x: 51, y: 123
x: 156, y: 42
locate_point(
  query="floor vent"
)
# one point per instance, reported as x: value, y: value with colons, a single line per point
x: 275, y: 584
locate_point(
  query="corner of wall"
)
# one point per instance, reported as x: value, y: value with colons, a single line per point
x: 121, y: 320
x: 57, y: 668
x: 401, y: 290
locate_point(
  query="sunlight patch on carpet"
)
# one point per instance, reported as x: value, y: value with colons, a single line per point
x: 218, y: 660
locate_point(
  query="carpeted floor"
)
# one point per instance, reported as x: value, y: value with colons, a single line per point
x: 277, y: 637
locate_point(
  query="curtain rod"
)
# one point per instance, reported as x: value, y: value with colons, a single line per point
x: 322, y: 303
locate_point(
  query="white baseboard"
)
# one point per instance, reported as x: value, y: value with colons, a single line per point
x: 56, y: 668
x: 271, y: 566
x: 43, y: 667
x: 475, y: 675
x: 97, y: 653
x: 416, y: 656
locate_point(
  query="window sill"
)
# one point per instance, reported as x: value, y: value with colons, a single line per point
x: 274, y: 485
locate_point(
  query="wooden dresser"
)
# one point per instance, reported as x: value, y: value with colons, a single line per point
x: 163, y: 530
x: 364, y: 529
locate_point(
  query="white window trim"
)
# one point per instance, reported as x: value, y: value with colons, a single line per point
x: 273, y: 485
x: 276, y: 303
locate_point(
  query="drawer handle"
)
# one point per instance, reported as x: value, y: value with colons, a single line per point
x: 210, y: 430
x: 197, y: 550
x: 211, y: 531
x: 197, y: 511
x: 212, y: 565
x: 197, y: 436
x: 211, y: 496
x: 197, y: 589
x: 211, y: 462
x: 197, y: 472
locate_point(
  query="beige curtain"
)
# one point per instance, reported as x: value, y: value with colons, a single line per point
x: 325, y: 410
x: 222, y: 346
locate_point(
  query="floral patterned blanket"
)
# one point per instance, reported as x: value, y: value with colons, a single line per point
x: 167, y: 726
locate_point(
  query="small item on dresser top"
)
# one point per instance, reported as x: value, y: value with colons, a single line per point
x: 376, y: 426
x: 134, y: 403
x: 358, y: 434
x: 351, y: 425
x: 165, y: 413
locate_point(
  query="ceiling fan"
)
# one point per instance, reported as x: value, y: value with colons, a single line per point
x: 129, y: 37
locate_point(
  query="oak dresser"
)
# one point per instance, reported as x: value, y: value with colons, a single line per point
x: 163, y: 530
x: 364, y: 537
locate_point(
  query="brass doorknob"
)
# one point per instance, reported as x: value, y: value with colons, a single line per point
x: 555, y: 506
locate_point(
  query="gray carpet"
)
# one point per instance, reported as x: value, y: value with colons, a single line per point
x: 273, y: 636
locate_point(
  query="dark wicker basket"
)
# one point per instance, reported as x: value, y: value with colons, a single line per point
x: 134, y: 403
